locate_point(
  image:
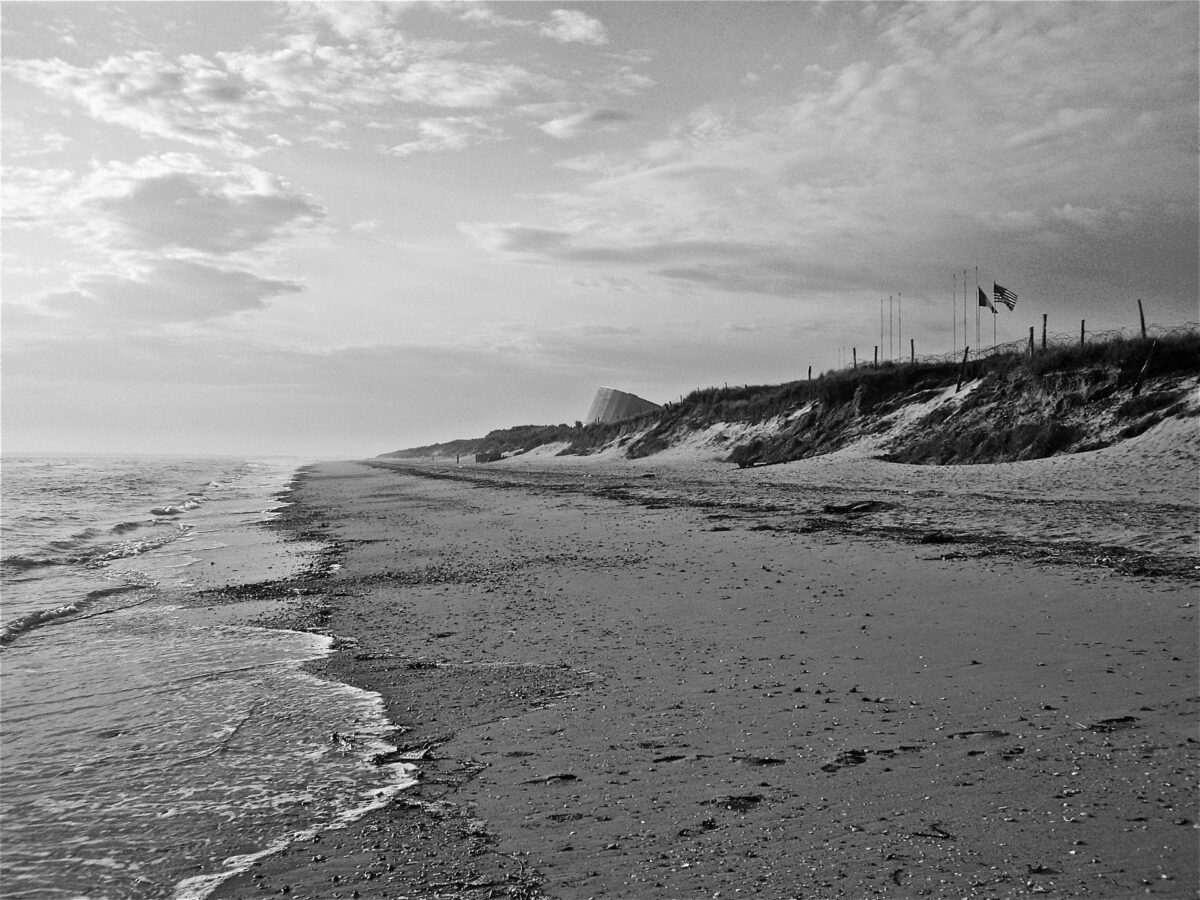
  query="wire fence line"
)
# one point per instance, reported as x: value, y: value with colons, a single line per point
x: 1022, y: 346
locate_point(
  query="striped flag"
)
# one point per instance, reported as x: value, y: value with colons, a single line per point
x: 1005, y: 296
x: 984, y: 300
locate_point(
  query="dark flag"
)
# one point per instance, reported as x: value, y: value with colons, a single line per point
x: 1005, y: 296
x: 983, y: 299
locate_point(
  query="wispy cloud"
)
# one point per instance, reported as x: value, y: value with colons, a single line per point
x: 570, y: 126
x: 449, y: 133
x: 977, y: 118
x: 189, y: 99
x: 562, y: 25
x: 327, y: 58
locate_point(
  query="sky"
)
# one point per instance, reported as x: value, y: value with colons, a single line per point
x: 340, y: 229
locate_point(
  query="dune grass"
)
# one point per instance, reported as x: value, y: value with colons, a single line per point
x: 814, y: 414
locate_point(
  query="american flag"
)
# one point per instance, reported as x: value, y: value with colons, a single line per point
x: 1005, y: 296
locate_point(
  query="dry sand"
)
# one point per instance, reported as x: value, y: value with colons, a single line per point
x: 713, y: 683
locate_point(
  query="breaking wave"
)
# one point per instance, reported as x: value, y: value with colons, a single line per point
x: 90, y: 556
x: 43, y: 616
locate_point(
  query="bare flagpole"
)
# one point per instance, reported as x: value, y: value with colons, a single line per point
x: 900, y: 325
x: 953, y: 311
x: 966, y: 336
x: 977, y: 306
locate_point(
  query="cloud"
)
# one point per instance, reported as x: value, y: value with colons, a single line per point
x: 1082, y: 216
x: 171, y: 239
x: 231, y: 103
x: 173, y: 201
x: 370, y: 22
x: 31, y: 195
x: 325, y: 61
x: 978, y: 126
x: 449, y: 133
x: 169, y: 291
x: 483, y: 16
x: 22, y: 142
x: 606, y: 164
x: 570, y: 126
x: 176, y: 201
x: 573, y: 27
x: 564, y: 26
x: 454, y: 83
x: 515, y: 238
x: 190, y: 100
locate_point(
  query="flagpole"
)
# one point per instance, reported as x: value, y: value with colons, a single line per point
x: 891, y: 324
x: 977, y: 306
x: 881, y: 324
x: 966, y: 336
x: 953, y: 311
x: 899, y: 324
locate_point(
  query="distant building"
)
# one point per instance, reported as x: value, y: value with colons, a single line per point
x: 611, y: 405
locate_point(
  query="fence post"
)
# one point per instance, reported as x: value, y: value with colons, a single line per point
x: 810, y: 373
x: 912, y: 349
x: 1031, y: 339
x: 1043, y: 334
x: 1137, y: 387
x: 1142, y: 316
x: 962, y: 368
x: 1082, y: 322
x: 854, y: 363
x: 876, y: 356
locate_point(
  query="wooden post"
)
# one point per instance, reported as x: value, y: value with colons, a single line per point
x: 1043, y: 334
x: 876, y: 356
x: 1082, y: 322
x: 1031, y: 340
x: 854, y: 350
x: 810, y: 373
x: 1142, y: 316
x: 1137, y: 386
x: 912, y: 348
x: 962, y: 369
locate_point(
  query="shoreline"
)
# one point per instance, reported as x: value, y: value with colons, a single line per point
x: 666, y: 699
x: 156, y: 705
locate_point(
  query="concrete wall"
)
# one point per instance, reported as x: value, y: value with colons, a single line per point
x: 611, y: 405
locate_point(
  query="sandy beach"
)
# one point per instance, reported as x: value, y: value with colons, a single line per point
x: 827, y: 679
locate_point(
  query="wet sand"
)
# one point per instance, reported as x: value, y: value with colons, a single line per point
x: 685, y: 685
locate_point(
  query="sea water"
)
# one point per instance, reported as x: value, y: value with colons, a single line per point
x: 147, y: 748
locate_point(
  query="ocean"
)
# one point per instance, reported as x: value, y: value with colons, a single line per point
x: 150, y: 748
